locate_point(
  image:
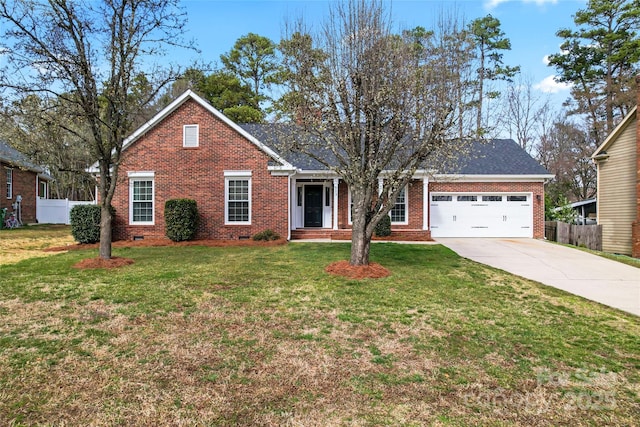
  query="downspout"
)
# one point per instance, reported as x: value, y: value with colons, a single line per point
x: 289, y: 175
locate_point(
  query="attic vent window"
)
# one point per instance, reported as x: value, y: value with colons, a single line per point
x: 191, y: 136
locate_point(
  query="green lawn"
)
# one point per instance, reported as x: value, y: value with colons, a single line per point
x: 263, y: 336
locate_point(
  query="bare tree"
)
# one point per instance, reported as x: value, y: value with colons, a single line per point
x: 89, y: 53
x: 523, y: 112
x: 565, y: 150
x: 26, y: 124
x: 380, y: 103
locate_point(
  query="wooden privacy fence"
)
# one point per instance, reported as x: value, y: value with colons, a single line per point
x: 588, y: 236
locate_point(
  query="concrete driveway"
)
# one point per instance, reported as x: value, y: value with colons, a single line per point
x: 572, y: 270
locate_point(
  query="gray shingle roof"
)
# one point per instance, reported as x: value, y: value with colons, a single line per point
x: 15, y: 158
x: 494, y: 157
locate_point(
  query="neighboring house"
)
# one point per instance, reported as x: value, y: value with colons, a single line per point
x: 244, y: 183
x: 20, y: 177
x: 618, y: 162
x: 585, y: 211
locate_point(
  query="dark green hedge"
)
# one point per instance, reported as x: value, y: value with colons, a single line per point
x: 85, y: 223
x: 181, y: 219
x: 383, y: 228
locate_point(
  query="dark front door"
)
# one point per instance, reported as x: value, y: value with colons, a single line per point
x: 313, y: 205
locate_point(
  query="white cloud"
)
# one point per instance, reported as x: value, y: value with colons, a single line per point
x: 550, y: 85
x: 545, y: 60
x: 492, y: 4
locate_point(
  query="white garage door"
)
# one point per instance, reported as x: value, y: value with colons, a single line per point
x: 481, y: 215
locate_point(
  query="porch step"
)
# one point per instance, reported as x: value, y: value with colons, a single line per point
x: 317, y: 233
x: 345, y: 234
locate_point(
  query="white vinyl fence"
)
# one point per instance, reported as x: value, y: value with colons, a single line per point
x: 55, y: 211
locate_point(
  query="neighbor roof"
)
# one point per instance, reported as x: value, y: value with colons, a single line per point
x: 15, y: 158
x: 495, y: 157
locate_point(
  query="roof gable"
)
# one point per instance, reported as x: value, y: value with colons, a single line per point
x: 190, y: 95
x: 615, y: 134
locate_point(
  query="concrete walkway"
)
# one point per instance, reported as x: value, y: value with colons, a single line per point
x: 590, y: 276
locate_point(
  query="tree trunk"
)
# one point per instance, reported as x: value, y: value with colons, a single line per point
x: 360, y: 239
x: 105, y: 231
x: 360, y: 246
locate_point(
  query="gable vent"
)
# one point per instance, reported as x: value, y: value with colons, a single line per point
x: 190, y: 136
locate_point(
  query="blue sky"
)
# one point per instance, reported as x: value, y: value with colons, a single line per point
x: 529, y: 24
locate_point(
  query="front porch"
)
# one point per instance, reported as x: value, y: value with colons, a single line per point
x: 320, y: 209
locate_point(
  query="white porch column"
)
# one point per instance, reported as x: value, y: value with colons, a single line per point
x: 380, y: 185
x: 336, y: 181
x: 425, y: 203
x: 291, y: 201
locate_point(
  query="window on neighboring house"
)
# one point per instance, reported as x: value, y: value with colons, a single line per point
x: 399, y: 211
x: 190, y: 136
x: 238, y: 197
x: 42, y: 189
x: 141, y: 198
x: 9, y: 183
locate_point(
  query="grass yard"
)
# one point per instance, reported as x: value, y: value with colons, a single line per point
x: 27, y: 242
x: 201, y: 336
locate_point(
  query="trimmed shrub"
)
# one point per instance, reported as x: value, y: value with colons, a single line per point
x: 181, y: 219
x: 383, y: 228
x: 266, y: 236
x: 85, y: 223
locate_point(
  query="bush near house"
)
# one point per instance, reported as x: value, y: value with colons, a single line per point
x: 85, y: 223
x: 383, y: 228
x: 181, y: 219
x: 266, y: 235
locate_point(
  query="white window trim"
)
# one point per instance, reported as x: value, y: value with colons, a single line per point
x: 236, y: 175
x: 406, y: 209
x: 9, y: 176
x: 184, y: 136
x: 350, y: 220
x: 142, y: 176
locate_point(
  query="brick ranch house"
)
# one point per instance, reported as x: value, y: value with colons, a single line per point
x: 20, y: 177
x: 244, y: 185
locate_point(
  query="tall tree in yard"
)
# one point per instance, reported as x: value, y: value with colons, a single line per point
x: 490, y: 42
x: 90, y: 54
x: 600, y: 59
x: 378, y: 102
x: 254, y: 61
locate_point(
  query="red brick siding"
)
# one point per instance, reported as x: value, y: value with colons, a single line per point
x: 414, y: 203
x: 537, y: 188
x: 198, y: 173
x: 24, y: 184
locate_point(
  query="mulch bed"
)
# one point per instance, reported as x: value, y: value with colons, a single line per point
x: 113, y: 262
x: 344, y: 269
